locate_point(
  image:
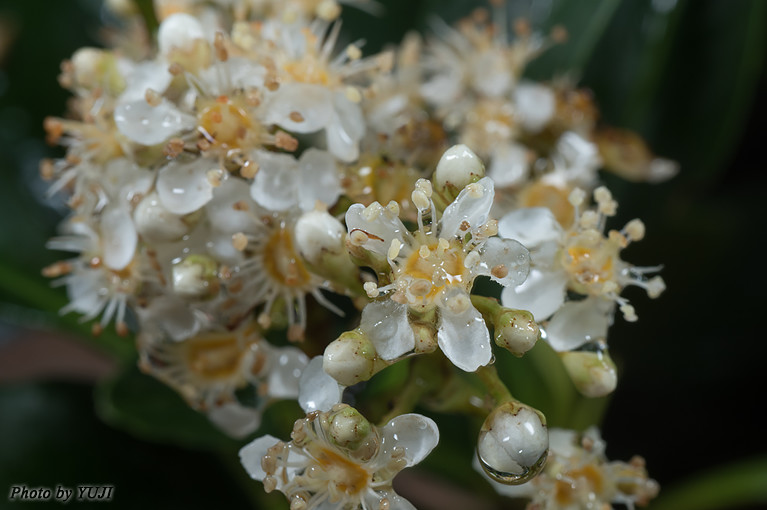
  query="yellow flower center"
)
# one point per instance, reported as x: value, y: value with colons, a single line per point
x: 214, y: 356
x: 589, y: 258
x: 540, y: 194
x: 225, y: 123
x: 565, y: 494
x: 433, y: 267
x: 282, y: 262
x: 348, y: 476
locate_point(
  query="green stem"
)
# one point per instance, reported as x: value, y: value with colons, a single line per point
x: 422, y: 380
x: 488, y: 307
x: 495, y: 387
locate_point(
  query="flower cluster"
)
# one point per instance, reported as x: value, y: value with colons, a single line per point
x: 247, y: 176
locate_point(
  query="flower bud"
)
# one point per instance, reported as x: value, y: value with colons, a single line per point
x: 457, y: 167
x: 593, y: 373
x: 351, y: 358
x: 93, y: 68
x: 178, y: 31
x: 516, y: 331
x: 513, y: 443
x: 346, y: 427
x: 195, y: 277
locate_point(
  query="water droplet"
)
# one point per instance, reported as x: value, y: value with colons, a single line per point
x: 513, y: 443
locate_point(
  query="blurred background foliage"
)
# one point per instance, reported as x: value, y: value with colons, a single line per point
x: 689, y: 75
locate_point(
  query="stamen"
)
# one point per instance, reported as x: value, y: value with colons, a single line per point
x: 371, y: 289
x: 635, y: 230
x: 239, y: 241
x: 394, y: 249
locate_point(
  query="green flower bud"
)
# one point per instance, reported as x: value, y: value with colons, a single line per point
x: 593, y: 373
x: 516, y: 331
x: 351, y: 358
x: 196, y: 277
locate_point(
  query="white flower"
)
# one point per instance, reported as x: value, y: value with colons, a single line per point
x: 285, y: 183
x: 337, y: 459
x: 315, y: 91
x: 578, y: 475
x: 106, y: 275
x: 435, y: 267
x: 208, y: 367
x: 265, y: 266
x: 580, y: 259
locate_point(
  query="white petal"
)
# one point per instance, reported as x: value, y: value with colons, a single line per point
x: 385, y: 323
x: 319, y: 179
x: 381, y: 225
x: 151, y: 125
x: 178, y: 31
x: 491, y: 75
x: 340, y: 144
x: 542, y: 294
x: 317, y: 390
x: 155, y: 223
x: 234, y: 419
x: 416, y: 434
x: 509, y: 165
x: 146, y: 75
x: 578, y: 322
x: 345, y: 132
x: 288, y: 363
x: 564, y: 442
x: 313, y: 102
x: 319, y: 233
x: 472, y: 205
x: 171, y: 315
x: 119, y: 237
x: 252, y: 453
x: 535, y: 105
x: 530, y: 226
x: 83, y: 291
x: 276, y: 184
x: 240, y: 73
x: 443, y: 88
x: 508, y: 253
x: 184, y: 187
x: 125, y: 179
x: 464, y: 339
x: 223, y: 215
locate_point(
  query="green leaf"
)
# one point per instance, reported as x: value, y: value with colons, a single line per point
x: 29, y: 301
x: 585, y: 23
x: 743, y: 483
x: 147, y: 409
x: 683, y: 75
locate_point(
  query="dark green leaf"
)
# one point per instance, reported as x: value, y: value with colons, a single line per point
x: 146, y: 408
x: 740, y: 484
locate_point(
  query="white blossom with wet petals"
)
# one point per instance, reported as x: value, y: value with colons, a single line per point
x: 434, y: 268
x: 337, y: 459
x: 581, y: 259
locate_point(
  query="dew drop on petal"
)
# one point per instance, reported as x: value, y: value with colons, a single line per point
x: 513, y: 443
x: 150, y: 125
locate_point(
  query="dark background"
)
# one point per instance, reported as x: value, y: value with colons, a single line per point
x: 688, y: 75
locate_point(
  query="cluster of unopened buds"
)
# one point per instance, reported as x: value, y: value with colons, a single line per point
x: 245, y: 169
